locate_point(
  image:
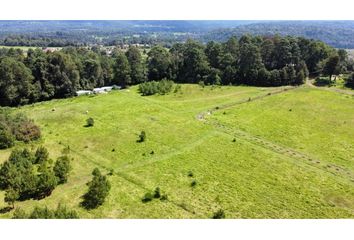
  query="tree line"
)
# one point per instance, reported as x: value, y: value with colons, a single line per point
x: 259, y: 61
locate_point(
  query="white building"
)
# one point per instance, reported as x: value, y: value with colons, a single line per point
x: 83, y: 92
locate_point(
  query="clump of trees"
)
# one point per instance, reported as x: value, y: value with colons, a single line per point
x: 27, y: 175
x: 161, y: 87
x: 99, y: 188
x: 16, y: 127
x: 61, y: 212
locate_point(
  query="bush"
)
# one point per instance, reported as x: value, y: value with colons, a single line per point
x: 27, y: 131
x: 201, y: 84
x: 142, y: 136
x: 194, y: 183
x: 147, y: 197
x: 190, y: 174
x: 90, y: 122
x: 41, y: 155
x: 7, y: 140
x: 219, y: 214
x: 164, y: 197
x: 157, y: 193
x: 62, y: 212
x: 150, y: 88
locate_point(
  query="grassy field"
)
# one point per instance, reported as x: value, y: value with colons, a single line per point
x: 292, y: 155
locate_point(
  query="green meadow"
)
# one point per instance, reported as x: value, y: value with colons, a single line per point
x: 253, y: 152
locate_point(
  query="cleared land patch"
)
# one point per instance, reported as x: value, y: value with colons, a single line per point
x: 264, y: 173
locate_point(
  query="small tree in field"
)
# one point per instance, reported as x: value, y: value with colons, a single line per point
x: 11, y: 196
x: 61, y: 169
x: 99, y: 188
x: 142, y: 136
x: 219, y: 214
x: 90, y: 122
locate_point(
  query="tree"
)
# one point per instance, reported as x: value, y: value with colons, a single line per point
x: 63, y: 74
x: 91, y: 75
x: 47, y: 182
x: 331, y: 66
x: 16, y: 83
x: 136, y: 65
x: 142, y: 136
x: 90, y: 122
x: 62, y: 168
x: 214, y: 53
x: 195, y: 66
x: 159, y: 63
x: 98, y: 190
x: 250, y: 62
x: 41, y: 155
x: 11, y: 196
x: 122, y: 70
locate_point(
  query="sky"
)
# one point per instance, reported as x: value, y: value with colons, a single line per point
x: 177, y: 9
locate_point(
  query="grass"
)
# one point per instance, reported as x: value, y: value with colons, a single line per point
x: 244, y: 178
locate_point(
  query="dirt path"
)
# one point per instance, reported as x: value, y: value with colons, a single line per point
x: 275, y: 147
x: 201, y: 116
x: 343, y: 91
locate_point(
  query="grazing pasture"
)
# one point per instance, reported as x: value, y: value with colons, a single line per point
x: 251, y: 152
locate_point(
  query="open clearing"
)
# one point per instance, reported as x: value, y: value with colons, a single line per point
x: 292, y: 156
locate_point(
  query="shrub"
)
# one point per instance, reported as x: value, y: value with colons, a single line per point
x: 157, y: 193
x: 164, y: 197
x: 178, y: 88
x: 19, y: 214
x: 62, y: 212
x: 201, y: 84
x: 142, y: 136
x: 194, y: 183
x: 147, y: 197
x: 150, y: 88
x: 27, y: 131
x: 42, y: 213
x: 41, y: 155
x: 219, y: 214
x: 190, y: 174
x: 90, y: 122
x: 7, y: 140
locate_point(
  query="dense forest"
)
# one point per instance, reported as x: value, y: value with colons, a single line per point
x: 258, y: 61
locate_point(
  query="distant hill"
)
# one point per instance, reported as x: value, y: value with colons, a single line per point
x: 335, y: 33
x: 338, y: 34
